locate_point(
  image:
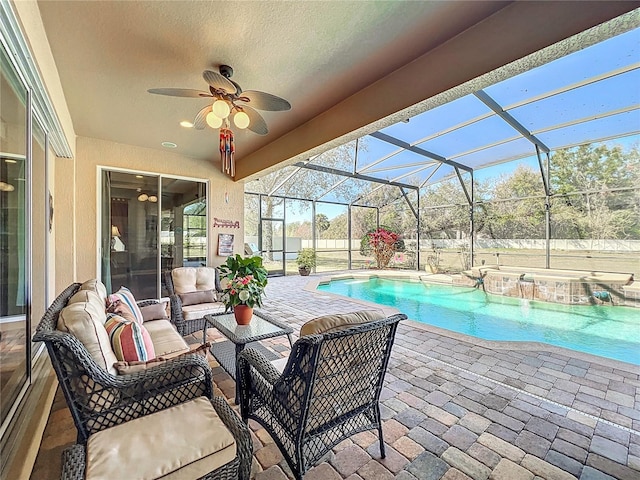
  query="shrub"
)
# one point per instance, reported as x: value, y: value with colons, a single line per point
x: 384, y: 244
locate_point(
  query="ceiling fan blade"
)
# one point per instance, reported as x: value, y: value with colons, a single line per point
x: 266, y: 101
x: 200, y: 121
x: 179, y: 92
x: 256, y: 122
x: 218, y: 81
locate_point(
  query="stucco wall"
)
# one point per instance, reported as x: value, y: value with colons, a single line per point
x: 93, y: 153
x: 28, y: 13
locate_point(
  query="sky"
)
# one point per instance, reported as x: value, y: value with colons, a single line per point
x: 592, y: 108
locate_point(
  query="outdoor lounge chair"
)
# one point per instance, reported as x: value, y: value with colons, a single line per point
x: 329, y: 389
x: 194, y: 293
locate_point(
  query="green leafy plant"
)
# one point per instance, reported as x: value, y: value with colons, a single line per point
x: 306, y: 258
x: 246, y: 280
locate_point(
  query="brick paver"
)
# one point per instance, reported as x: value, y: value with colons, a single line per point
x: 454, y: 408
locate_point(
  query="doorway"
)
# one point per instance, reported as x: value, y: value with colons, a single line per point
x: 150, y: 225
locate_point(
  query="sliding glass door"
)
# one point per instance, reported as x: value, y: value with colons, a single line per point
x: 14, y: 217
x: 150, y: 224
x: 24, y: 236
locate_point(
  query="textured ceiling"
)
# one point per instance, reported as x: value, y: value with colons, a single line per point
x: 345, y: 66
x: 314, y: 54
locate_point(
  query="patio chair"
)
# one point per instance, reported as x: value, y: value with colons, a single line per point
x: 329, y: 389
x: 193, y: 292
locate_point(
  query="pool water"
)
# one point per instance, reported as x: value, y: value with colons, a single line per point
x: 608, y: 331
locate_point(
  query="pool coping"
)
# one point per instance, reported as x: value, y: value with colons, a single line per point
x: 417, y: 276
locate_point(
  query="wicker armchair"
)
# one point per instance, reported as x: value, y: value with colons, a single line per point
x: 183, y: 282
x: 328, y: 391
x: 99, y: 400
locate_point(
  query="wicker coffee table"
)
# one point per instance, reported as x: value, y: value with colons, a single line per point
x: 262, y: 326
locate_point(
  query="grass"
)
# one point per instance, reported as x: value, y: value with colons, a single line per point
x: 450, y: 260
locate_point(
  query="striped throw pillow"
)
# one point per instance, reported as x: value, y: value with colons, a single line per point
x: 130, y: 341
x: 124, y: 304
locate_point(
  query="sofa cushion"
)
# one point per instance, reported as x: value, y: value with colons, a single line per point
x: 191, y: 312
x: 124, y: 304
x: 126, y: 368
x: 96, y: 286
x: 87, y: 296
x: 130, y: 341
x: 188, y: 440
x: 191, y: 279
x: 334, y: 323
x: 202, y: 296
x: 167, y: 342
x: 85, y: 321
x: 155, y: 311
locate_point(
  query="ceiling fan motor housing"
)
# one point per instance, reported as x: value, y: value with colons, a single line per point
x: 226, y: 71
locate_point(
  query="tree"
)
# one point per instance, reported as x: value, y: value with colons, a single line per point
x: 337, y: 228
x: 322, y: 223
x: 587, y: 209
x: 292, y: 181
x: 452, y: 219
x: 511, y: 212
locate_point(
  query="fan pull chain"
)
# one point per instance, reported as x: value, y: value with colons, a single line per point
x: 227, y: 152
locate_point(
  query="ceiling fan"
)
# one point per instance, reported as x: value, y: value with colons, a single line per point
x: 231, y: 102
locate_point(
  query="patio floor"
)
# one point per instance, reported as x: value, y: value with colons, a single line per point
x: 455, y: 408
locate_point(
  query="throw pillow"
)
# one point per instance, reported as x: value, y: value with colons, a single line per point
x: 156, y: 311
x: 130, y: 340
x: 334, y: 323
x: 124, y: 304
x: 118, y: 308
x: 193, y: 298
x: 126, y: 368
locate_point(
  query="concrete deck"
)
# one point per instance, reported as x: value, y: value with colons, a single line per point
x: 455, y: 408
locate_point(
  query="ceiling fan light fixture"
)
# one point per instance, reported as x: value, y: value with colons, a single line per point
x: 143, y: 197
x: 241, y: 120
x: 153, y: 198
x: 213, y: 120
x: 221, y: 109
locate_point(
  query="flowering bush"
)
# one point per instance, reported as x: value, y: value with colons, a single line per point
x: 246, y: 279
x: 383, y: 243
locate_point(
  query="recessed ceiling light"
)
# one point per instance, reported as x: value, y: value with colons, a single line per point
x: 139, y: 176
x: 10, y: 160
x: 186, y: 124
x: 169, y: 145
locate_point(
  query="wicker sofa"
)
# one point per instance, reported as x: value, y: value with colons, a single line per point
x: 149, y: 408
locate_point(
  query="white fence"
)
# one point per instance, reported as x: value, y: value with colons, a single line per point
x: 537, y: 244
x: 295, y: 243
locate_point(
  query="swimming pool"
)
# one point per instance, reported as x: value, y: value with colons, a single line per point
x: 612, y: 332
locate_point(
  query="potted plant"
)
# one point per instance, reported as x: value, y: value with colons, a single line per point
x: 246, y: 280
x: 306, y: 260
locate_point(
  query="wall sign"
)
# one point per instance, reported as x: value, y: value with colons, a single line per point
x: 219, y: 222
x: 225, y: 244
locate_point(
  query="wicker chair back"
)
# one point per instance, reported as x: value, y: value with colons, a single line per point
x: 328, y: 391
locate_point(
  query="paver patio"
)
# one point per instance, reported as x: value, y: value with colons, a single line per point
x: 455, y: 408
